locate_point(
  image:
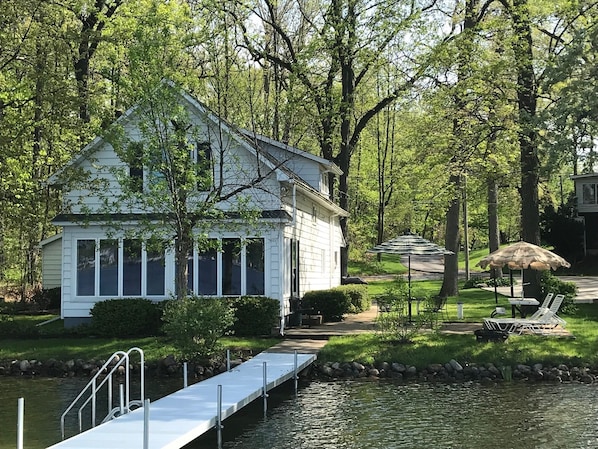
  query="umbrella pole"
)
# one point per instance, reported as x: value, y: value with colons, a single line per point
x: 409, y: 284
x: 511, y: 279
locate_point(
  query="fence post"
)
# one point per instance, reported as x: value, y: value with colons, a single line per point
x: 185, y: 378
x: 146, y: 416
x: 219, y: 416
x: 20, y: 421
x: 265, y: 387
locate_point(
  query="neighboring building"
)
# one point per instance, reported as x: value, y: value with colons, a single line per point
x: 295, y: 246
x: 586, y: 193
x: 51, y: 261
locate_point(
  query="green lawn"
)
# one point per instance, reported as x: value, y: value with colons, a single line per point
x: 87, y: 348
x: 428, y: 347
x: 434, y: 347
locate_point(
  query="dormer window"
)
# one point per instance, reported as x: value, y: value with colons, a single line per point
x: 324, y: 183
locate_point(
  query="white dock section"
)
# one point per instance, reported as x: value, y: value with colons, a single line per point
x: 181, y: 417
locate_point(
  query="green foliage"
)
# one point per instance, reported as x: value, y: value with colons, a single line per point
x: 13, y: 328
x: 332, y: 304
x: 196, y: 324
x: 475, y: 281
x: 358, y: 295
x: 561, y: 229
x: 393, y: 322
x: 552, y: 284
x: 255, y: 315
x: 126, y: 317
x: 47, y: 298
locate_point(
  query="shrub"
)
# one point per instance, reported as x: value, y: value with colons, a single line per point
x: 255, y: 315
x: 11, y: 328
x: 332, y: 304
x: 358, y: 297
x: 126, y: 317
x: 475, y: 281
x: 48, y: 298
x: 552, y: 284
x: 196, y: 324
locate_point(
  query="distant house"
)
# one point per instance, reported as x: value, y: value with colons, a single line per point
x: 293, y: 248
x: 586, y: 192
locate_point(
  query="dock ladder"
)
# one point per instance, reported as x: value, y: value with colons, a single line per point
x: 104, y: 379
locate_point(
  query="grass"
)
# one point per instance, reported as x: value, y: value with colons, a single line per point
x: 433, y: 347
x: 430, y: 347
x: 87, y: 348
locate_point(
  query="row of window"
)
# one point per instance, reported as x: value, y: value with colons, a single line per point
x: 129, y: 267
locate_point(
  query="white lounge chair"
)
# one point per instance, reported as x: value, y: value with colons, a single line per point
x: 543, y: 318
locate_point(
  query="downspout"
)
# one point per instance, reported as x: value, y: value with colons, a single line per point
x: 293, y: 221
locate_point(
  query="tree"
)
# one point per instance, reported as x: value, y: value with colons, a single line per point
x: 334, y: 60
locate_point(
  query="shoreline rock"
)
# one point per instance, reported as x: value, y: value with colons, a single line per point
x: 449, y: 372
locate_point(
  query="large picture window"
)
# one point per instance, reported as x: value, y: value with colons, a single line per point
x: 254, y: 266
x: 237, y: 269
x: 115, y: 268
x: 130, y: 268
x: 109, y: 267
x: 86, y: 267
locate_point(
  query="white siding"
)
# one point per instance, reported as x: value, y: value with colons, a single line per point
x: 318, y: 235
x: 78, y: 307
x: 579, y: 186
x: 309, y: 170
x: 51, y: 264
x: 239, y: 170
x: 318, y: 242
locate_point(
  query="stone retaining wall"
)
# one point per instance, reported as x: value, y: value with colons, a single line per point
x: 452, y: 371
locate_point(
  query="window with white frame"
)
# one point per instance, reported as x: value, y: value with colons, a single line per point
x: 588, y: 194
x: 238, y: 269
x: 114, y: 268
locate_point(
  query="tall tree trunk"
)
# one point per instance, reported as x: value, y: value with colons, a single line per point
x: 530, y: 164
x: 493, y: 228
x: 450, y: 286
x: 93, y: 20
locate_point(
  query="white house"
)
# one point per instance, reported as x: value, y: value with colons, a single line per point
x: 586, y: 193
x: 293, y: 247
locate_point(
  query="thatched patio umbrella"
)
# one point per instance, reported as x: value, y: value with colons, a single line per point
x: 521, y: 256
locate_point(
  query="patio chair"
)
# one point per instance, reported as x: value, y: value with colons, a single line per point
x: 543, y: 319
x: 436, y: 307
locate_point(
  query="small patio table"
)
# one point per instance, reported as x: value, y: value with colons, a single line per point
x: 516, y: 304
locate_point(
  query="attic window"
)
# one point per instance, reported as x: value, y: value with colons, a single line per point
x: 135, y: 156
x: 205, y: 166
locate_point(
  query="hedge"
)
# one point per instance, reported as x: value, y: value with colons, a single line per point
x: 255, y: 315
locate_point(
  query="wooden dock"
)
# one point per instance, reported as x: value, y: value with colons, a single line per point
x: 183, y: 416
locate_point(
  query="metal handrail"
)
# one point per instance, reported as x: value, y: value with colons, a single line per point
x: 124, y: 359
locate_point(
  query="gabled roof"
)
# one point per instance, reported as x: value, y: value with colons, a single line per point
x: 328, y: 165
x: 244, y: 138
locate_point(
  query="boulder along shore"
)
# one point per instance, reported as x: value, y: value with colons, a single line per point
x: 452, y: 371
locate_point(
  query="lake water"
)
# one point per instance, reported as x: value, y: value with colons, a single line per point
x: 356, y: 415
